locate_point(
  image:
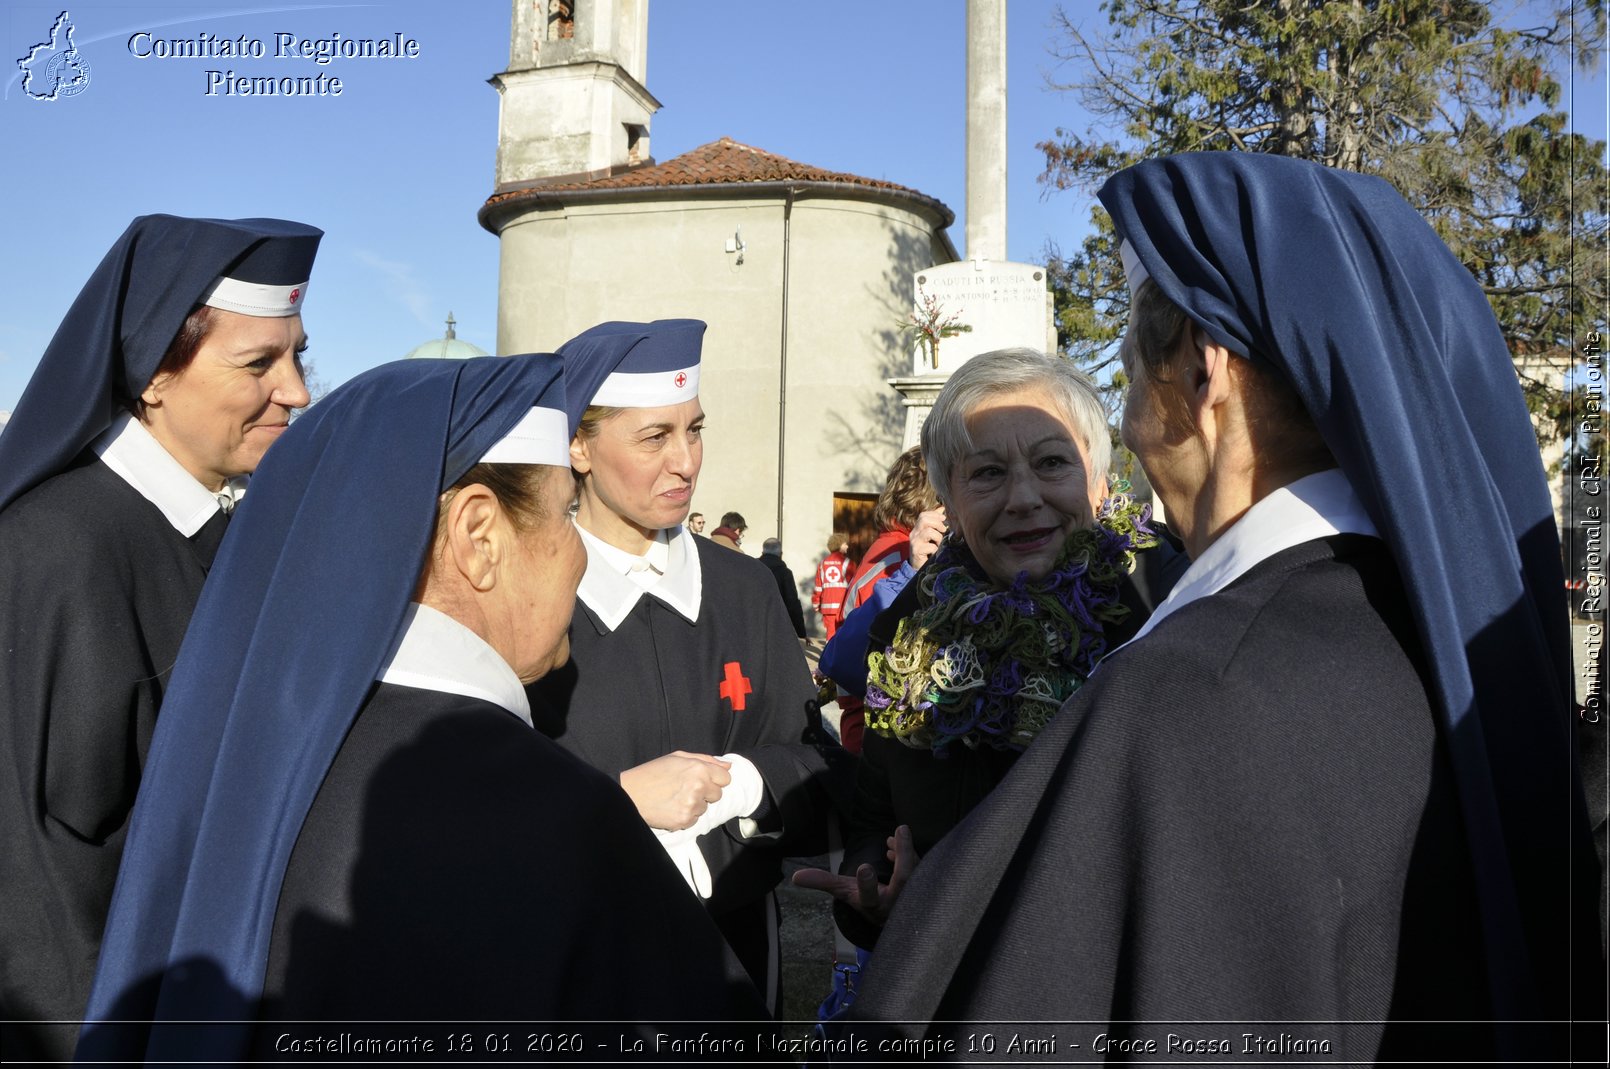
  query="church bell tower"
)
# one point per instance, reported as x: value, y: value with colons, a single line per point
x: 573, y: 104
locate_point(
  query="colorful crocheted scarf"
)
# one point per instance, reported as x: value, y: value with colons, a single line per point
x: 987, y: 666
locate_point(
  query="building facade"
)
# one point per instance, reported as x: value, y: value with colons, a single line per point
x: 803, y: 274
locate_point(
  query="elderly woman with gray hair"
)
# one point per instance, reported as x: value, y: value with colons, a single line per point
x: 1030, y: 588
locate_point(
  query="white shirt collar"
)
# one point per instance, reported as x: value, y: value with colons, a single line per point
x: 615, y: 579
x: 1315, y: 506
x: 438, y: 653
x: 645, y: 570
x: 141, y: 461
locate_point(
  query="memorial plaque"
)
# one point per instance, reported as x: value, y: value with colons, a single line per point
x: 1002, y: 304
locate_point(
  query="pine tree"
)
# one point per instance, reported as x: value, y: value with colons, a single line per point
x: 1459, y: 111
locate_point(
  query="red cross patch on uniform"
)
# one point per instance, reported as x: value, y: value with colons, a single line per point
x: 681, y: 381
x: 735, y: 685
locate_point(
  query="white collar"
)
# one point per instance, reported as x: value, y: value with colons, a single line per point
x: 645, y: 570
x: 615, y: 579
x: 141, y: 461
x: 436, y: 652
x: 1315, y: 506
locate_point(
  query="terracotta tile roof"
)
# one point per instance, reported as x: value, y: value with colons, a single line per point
x: 719, y: 162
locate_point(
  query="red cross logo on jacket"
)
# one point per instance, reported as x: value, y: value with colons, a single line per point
x: 734, y: 685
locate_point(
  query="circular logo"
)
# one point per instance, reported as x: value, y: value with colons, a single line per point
x: 67, y: 74
x: 681, y: 379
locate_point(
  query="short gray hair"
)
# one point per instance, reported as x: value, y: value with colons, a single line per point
x: 944, y: 435
x: 771, y: 547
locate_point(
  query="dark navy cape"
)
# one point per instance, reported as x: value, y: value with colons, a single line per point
x: 457, y: 865
x: 96, y: 589
x: 1230, y: 829
x: 1331, y: 278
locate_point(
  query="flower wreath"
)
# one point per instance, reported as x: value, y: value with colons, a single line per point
x: 989, y: 667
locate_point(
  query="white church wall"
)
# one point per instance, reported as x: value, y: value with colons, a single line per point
x: 851, y: 293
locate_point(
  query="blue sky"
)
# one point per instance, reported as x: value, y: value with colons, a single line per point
x: 395, y: 167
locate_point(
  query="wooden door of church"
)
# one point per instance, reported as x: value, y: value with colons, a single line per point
x: 852, y: 514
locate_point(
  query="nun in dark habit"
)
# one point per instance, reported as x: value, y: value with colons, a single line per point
x: 347, y: 814
x: 176, y: 368
x: 1333, y: 779
x: 686, y: 680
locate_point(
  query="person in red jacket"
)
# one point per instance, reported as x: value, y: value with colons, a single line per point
x: 906, y: 495
x: 832, y: 581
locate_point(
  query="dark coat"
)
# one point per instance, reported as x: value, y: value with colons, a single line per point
x: 96, y: 589
x: 897, y: 784
x: 788, y: 589
x: 458, y: 866
x: 1246, y: 816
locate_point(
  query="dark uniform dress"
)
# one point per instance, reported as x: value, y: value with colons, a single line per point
x: 1246, y: 816
x: 732, y: 681
x: 96, y: 589
x: 458, y: 866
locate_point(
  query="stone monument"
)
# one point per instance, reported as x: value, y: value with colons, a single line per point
x: 986, y: 302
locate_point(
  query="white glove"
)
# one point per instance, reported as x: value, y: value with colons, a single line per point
x: 747, y: 788
x: 740, y: 798
x: 683, y: 849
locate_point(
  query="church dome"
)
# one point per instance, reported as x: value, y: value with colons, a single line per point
x: 448, y: 347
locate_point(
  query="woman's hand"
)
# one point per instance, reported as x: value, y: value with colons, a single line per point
x: 926, y: 534
x: 862, y: 892
x: 673, y: 791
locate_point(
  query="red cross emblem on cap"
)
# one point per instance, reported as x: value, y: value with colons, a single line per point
x: 681, y: 380
x: 735, y: 685
x: 295, y: 294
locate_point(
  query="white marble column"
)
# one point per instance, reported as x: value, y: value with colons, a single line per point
x: 986, y: 129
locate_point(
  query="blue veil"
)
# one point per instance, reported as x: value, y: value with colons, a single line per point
x: 124, y: 319
x: 302, y: 606
x: 1334, y: 281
